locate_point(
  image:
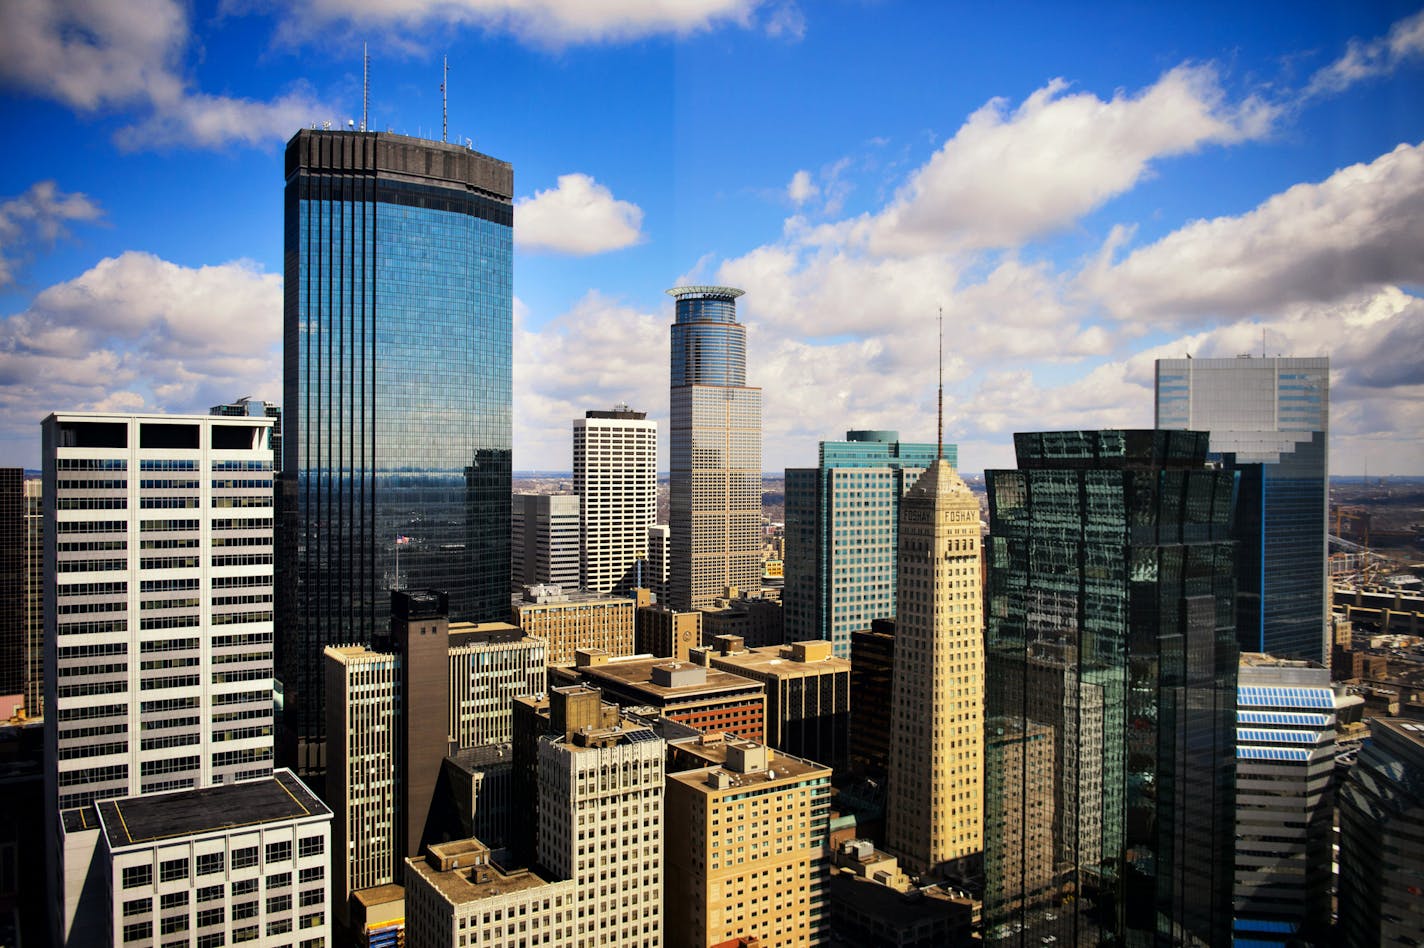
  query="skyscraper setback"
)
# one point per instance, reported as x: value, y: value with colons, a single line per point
x: 934, y: 814
x: 397, y: 399
x: 1269, y: 421
x: 715, y: 465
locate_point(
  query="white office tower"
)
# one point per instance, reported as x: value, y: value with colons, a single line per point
x: 601, y: 825
x: 158, y: 603
x: 616, y: 478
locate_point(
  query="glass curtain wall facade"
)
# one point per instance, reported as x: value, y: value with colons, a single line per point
x: 398, y: 366
x: 1111, y: 623
x: 1269, y: 420
x: 841, y: 530
x: 715, y: 476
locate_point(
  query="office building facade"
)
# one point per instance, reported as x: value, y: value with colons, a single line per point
x: 616, y: 478
x: 934, y: 811
x: 544, y: 541
x: 1285, y: 799
x: 1269, y: 421
x: 807, y: 695
x: 34, y: 596
x: 872, y: 673
x: 14, y: 579
x: 715, y: 461
x: 398, y: 362
x: 747, y: 850
x: 243, y: 862
x: 568, y: 622
x: 1382, y: 839
x: 842, y: 524
x: 655, y: 575
x: 1111, y: 622
x: 158, y: 603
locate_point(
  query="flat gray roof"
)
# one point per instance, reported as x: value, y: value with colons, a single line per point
x: 156, y: 817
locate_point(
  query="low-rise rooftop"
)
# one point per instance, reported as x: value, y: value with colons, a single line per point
x: 155, y: 817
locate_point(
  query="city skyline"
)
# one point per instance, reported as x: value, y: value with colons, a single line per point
x: 848, y: 202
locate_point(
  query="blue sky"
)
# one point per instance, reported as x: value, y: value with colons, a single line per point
x: 1081, y: 188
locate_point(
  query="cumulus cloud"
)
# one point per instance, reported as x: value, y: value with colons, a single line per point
x: 544, y: 22
x: 139, y: 332
x: 1361, y: 228
x: 580, y: 217
x: 597, y: 354
x: 801, y: 188
x: 1009, y: 175
x: 97, y: 56
x: 42, y: 213
x: 1365, y: 59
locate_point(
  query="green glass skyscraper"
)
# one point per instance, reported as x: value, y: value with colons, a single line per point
x: 1110, y: 630
x: 398, y: 362
x: 841, y: 534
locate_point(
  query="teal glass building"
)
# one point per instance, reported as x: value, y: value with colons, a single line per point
x: 1110, y: 631
x: 1269, y: 420
x: 841, y: 534
x: 398, y: 367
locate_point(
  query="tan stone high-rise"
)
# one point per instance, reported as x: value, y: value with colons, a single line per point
x: 935, y: 807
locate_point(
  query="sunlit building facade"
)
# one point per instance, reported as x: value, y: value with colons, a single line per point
x: 715, y: 488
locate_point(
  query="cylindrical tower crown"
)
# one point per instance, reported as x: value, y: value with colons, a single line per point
x: 709, y: 346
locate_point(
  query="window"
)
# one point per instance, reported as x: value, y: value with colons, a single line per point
x: 249, y: 933
x: 135, y: 876
x: 214, y: 940
x: 314, y: 920
x: 212, y: 916
x: 244, y: 887
x: 209, y: 863
x: 210, y: 893
x: 279, y: 852
x: 172, y: 869
x: 311, y: 846
x: 312, y: 897
x: 278, y: 880
x: 177, y: 923
x: 312, y: 874
x: 279, y: 926
x: 174, y: 900
x: 136, y: 907
x: 138, y: 931
x: 244, y: 858
x: 279, y: 904
x: 244, y: 910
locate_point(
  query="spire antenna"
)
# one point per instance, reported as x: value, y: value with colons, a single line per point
x: 445, y: 102
x: 939, y: 417
x: 365, y: 87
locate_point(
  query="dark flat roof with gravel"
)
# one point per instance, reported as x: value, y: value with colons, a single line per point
x: 154, y: 817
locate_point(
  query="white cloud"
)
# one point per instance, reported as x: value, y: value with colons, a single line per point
x: 599, y: 353
x: 544, y: 22
x: 1376, y: 57
x: 41, y: 213
x: 580, y: 217
x: 801, y: 188
x: 1361, y: 228
x: 138, y: 332
x: 98, y: 56
x: 1008, y: 176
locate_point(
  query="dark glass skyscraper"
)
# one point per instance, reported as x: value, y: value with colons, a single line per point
x: 398, y: 364
x: 1110, y: 630
x: 1269, y: 421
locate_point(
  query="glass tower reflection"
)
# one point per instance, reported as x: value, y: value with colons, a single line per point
x: 1269, y: 420
x: 1110, y: 693
x: 397, y: 364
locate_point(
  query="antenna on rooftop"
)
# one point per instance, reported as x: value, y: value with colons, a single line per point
x: 365, y: 86
x: 939, y: 417
x: 445, y: 101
